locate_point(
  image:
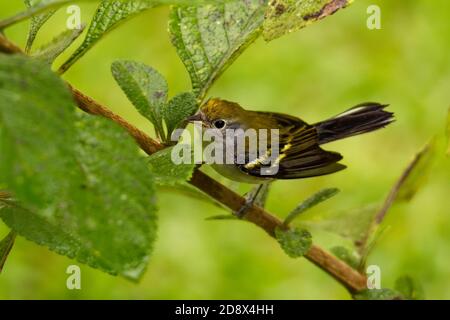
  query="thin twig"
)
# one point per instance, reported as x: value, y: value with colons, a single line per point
x: 9, y: 239
x: 339, y: 270
x: 89, y: 105
x: 29, y: 12
x: 392, y: 197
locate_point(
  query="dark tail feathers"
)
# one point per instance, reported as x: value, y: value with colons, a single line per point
x: 365, y: 117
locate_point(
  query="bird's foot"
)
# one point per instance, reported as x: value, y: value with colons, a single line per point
x: 243, y: 210
x: 257, y: 196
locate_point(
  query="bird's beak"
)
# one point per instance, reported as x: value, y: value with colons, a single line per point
x: 196, y: 117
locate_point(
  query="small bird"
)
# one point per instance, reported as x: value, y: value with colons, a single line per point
x: 300, y: 153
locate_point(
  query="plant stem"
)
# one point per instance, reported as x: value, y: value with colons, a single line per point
x: 339, y: 270
x: 33, y: 11
x: 89, y: 105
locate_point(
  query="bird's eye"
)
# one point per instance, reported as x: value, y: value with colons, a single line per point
x: 219, y: 124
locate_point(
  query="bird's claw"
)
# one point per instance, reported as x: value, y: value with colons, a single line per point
x: 256, y: 196
x: 243, y: 210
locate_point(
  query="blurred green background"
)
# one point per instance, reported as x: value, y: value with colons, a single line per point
x: 313, y: 73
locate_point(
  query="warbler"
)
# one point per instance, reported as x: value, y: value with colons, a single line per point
x: 300, y: 154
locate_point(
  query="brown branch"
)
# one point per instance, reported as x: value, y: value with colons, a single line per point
x: 7, y: 46
x: 339, y: 270
x: 88, y: 105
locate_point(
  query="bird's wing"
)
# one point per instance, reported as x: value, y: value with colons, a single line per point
x: 299, y: 154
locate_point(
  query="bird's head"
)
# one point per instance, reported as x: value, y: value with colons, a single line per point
x: 219, y: 114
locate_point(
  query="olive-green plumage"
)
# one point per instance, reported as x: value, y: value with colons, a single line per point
x: 299, y: 142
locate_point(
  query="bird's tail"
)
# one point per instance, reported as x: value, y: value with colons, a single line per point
x: 365, y: 117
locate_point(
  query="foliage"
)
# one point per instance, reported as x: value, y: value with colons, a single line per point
x: 285, y: 16
x: 416, y: 173
x: 343, y: 253
x: 209, y: 38
x: 83, y: 189
x: 295, y: 242
x: 6, y: 245
x: 409, y: 288
x: 37, y: 22
x: 52, y: 50
x: 378, y: 294
x: 108, y: 15
x: 166, y: 174
x: 360, y: 225
x: 145, y: 87
x: 177, y: 110
x: 310, y: 202
x: 406, y: 288
x: 40, y: 8
x: 147, y: 90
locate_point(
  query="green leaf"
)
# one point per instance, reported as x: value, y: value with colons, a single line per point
x: 209, y: 38
x: 415, y: 175
x: 312, y: 201
x: 40, y: 8
x: 119, y: 187
x: 36, y: 131
x: 343, y: 253
x: 351, y: 224
x: 166, y: 172
x: 409, y: 288
x: 109, y: 15
x: 37, y: 22
x: 406, y: 186
x: 295, y: 242
x: 178, y: 109
x: 46, y: 5
x: 84, y: 189
x: 378, y: 294
x: 368, y: 242
x: 285, y: 16
x: 52, y: 50
x: 145, y: 87
x: 5, y: 247
x: 175, y: 177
